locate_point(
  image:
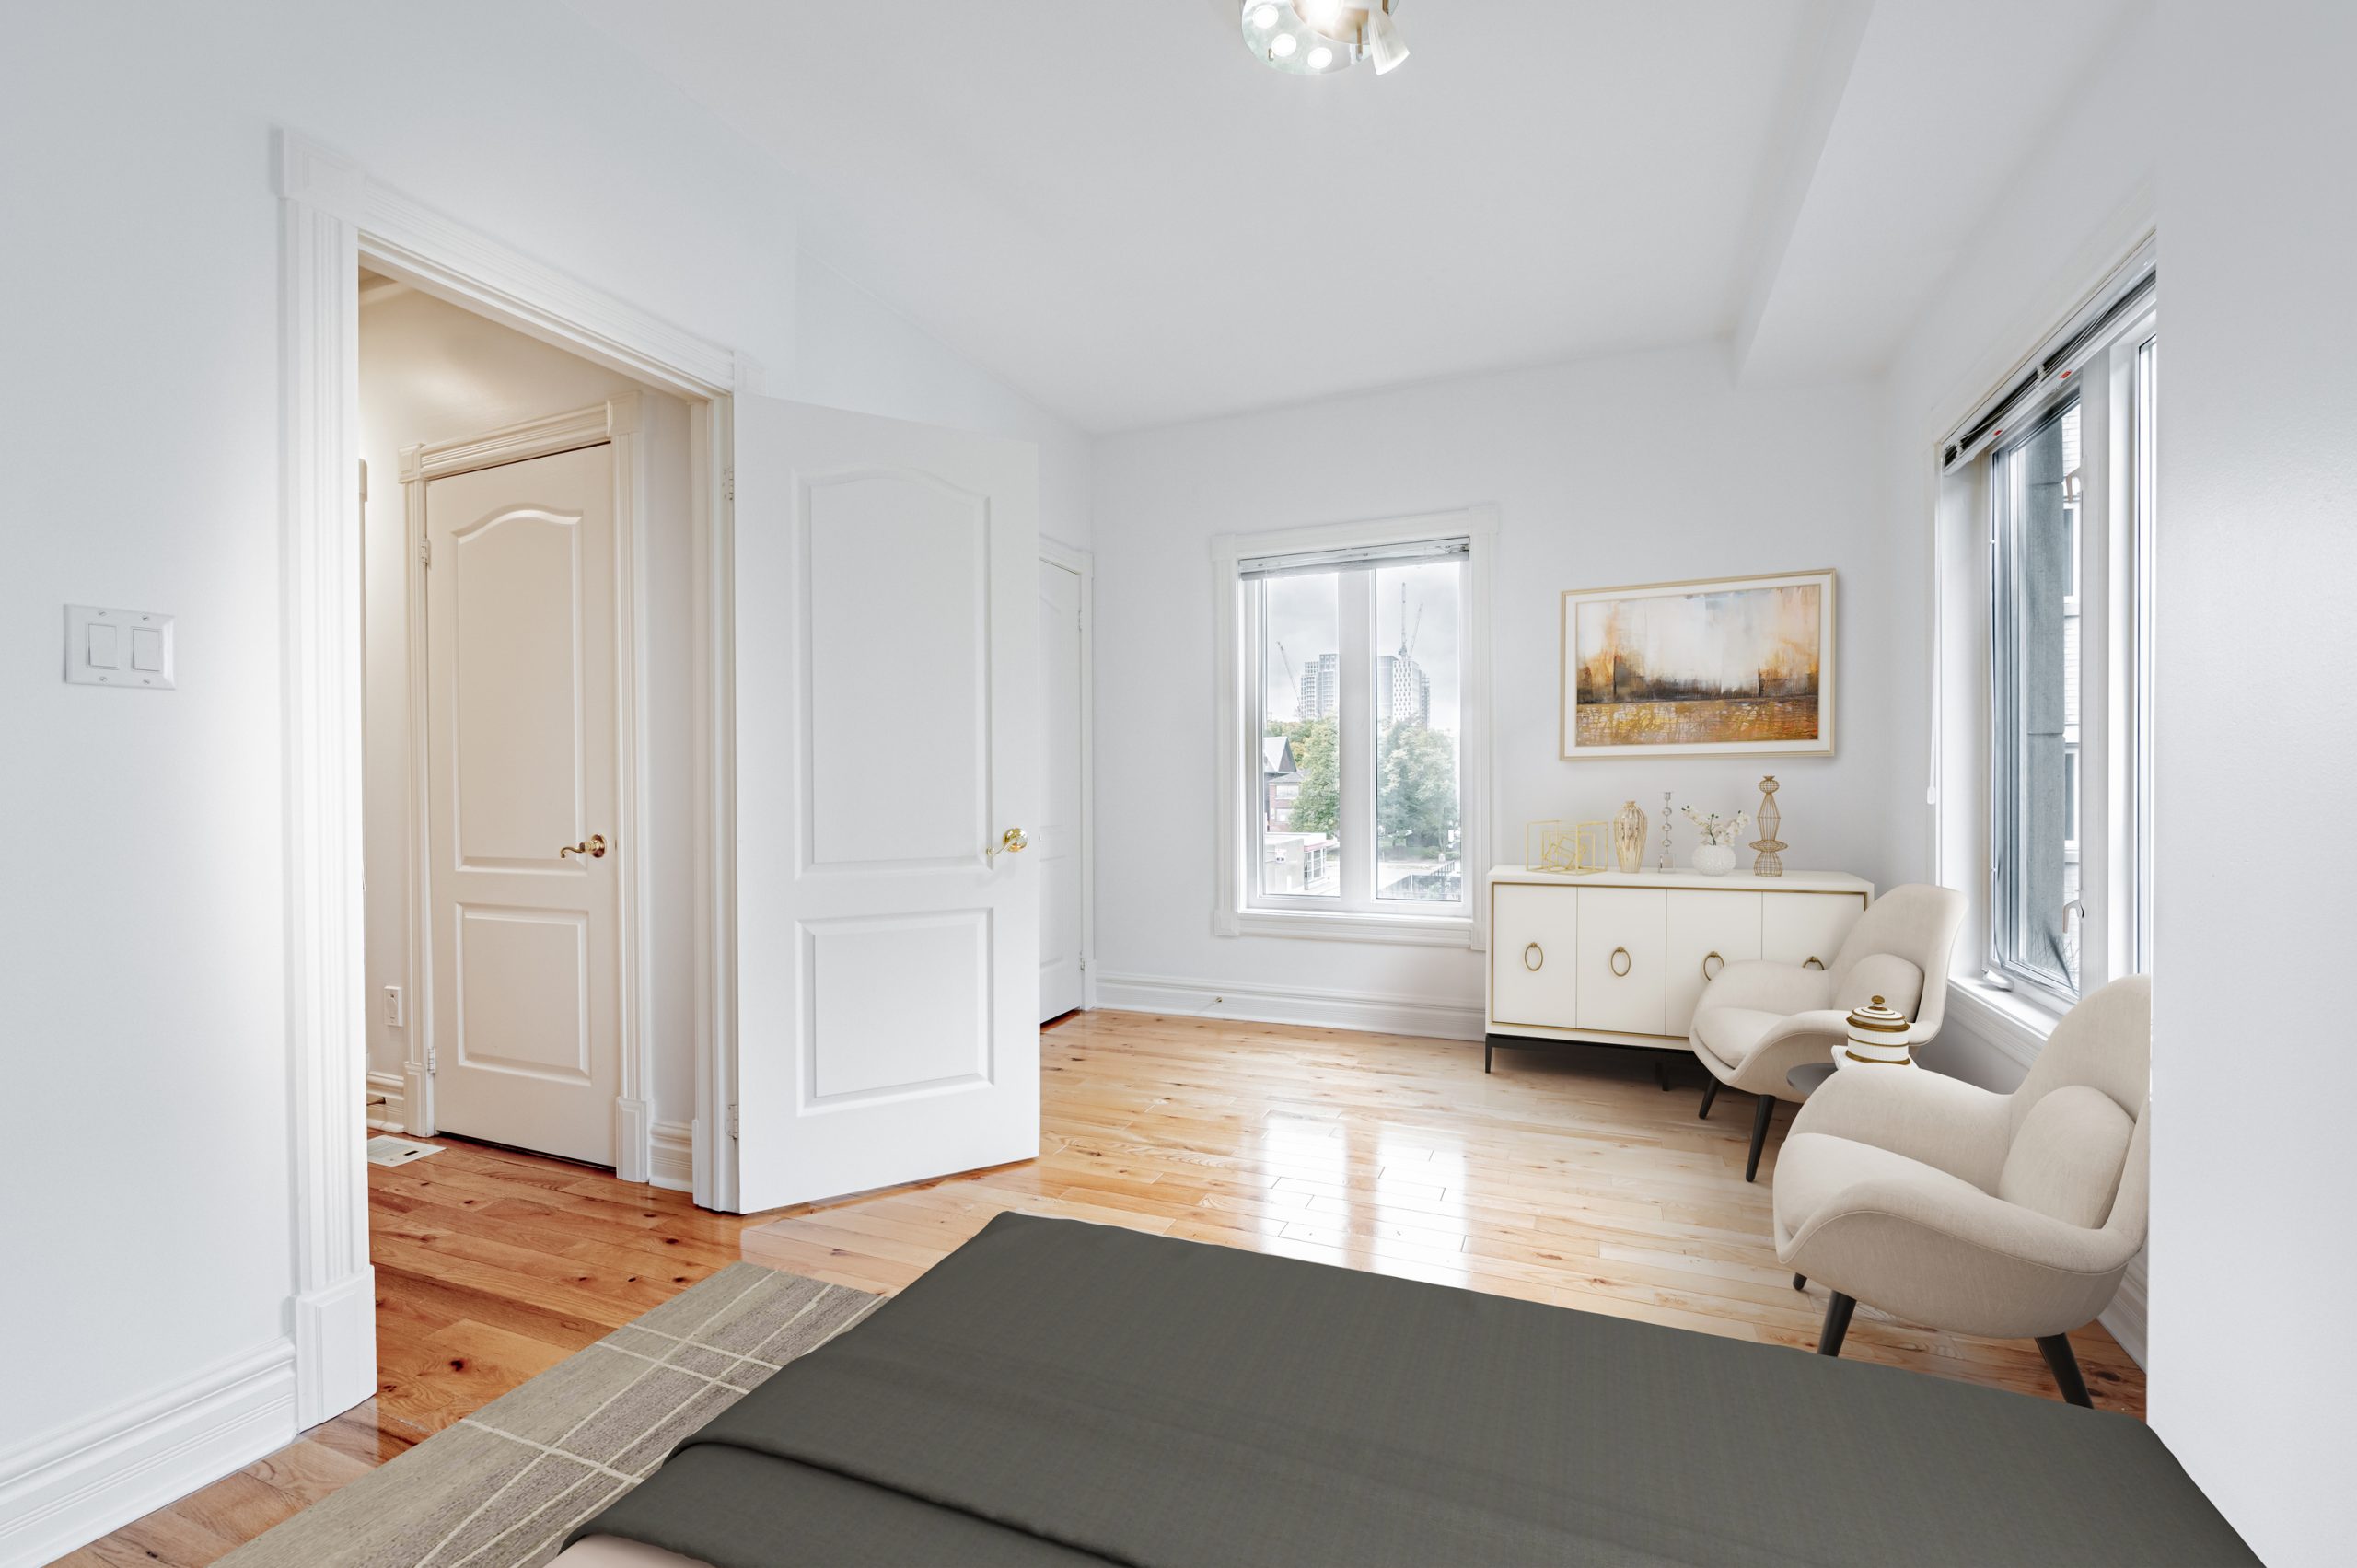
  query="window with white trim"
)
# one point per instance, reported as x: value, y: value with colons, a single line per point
x: 2062, y: 465
x: 1351, y: 717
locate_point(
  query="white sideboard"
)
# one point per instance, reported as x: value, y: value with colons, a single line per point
x: 1622, y: 956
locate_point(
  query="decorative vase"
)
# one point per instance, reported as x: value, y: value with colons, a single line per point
x: 1628, y: 837
x: 1877, y: 1038
x: 1770, y: 863
x: 1714, y: 860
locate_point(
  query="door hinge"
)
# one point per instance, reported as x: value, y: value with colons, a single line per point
x: 430, y: 1065
x: 732, y: 1118
x: 426, y: 553
x: 728, y: 484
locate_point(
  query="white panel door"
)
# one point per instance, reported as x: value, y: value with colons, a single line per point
x: 886, y: 586
x: 1706, y: 933
x: 1057, y: 840
x: 1806, y: 928
x: 1534, y: 956
x: 1622, y: 986
x: 520, y: 763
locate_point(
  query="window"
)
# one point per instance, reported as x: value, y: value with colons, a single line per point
x: 2039, y: 914
x: 1354, y: 703
x: 2057, y: 474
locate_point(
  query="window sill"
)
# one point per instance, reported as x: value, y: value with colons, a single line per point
x: 2016, y: 1022
x: 1417, y: 931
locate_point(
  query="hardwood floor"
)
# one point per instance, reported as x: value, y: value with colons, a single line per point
x: 1566, y: 1177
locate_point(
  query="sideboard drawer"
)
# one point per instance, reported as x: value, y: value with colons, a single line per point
x: 1534, y: 955
x: 1796, y: 928
x: 1621, y: 984
x: 1707, y: 932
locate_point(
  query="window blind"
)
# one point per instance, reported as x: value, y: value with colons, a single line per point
x: 2031, y: 387
x: 1256, y: 566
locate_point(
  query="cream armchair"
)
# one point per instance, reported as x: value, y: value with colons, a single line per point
x: 2009, y: 1215
x: 1755, y: 1022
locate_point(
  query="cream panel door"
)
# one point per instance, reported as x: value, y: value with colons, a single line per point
x: 1534, y: 956
x: 1621, y: 979
x: 521, y: 761
x: 1057, y: 840
x: 1705, y: 933
x: 887, y: 714
x: 1806, y: 928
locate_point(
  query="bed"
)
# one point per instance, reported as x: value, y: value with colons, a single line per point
x: 1061, y: 1393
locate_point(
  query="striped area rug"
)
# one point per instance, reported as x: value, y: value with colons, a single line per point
x: 502, y: 1488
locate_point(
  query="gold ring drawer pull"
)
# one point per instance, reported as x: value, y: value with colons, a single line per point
x: 1713, y: 953
x: 1813, y: 962
x: 1527, y: 952
x: 1621, y: 962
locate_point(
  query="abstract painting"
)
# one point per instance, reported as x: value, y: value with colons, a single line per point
x: 1732, y: 665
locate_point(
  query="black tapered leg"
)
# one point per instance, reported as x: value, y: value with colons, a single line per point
x: 2065, y: 1368
x: 1838, y: 1308
x: 1661, y: 1072
x: 1489, y: 1049
x: 1710, y: 1093
x: 1800, y: 1282
x: 1760, y: 1117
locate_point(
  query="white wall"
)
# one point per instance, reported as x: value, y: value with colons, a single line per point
x: 2254, y: 1182
x: 143, y: 1013
x: 430, y: 371
x: 1631, y: 470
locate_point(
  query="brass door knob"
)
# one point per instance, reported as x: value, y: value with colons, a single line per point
x: 594, y: 847
x: 1012, y: 841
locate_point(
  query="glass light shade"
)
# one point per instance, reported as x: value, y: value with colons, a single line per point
x: 1282, y: 46
x: 1382, y: 45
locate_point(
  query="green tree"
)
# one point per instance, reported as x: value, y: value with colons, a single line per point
x: 1318, y: 807
x: 1415, y: 787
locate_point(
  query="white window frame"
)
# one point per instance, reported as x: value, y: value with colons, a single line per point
x: 1237, y: 750
x: 2114, y: 777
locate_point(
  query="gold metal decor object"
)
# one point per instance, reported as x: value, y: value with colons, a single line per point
x: 1770, y: 863
x: 1567, y: 849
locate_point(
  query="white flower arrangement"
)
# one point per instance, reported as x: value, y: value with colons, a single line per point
x: 1717, y: 831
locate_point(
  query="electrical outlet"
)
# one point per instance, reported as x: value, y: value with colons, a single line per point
x: 392, y: 1006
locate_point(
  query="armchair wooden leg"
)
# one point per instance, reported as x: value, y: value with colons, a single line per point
x: 1761, y: 1113
x: 2065, y: 1368
x: 1838, y: 1308
x: 1710, y: 1093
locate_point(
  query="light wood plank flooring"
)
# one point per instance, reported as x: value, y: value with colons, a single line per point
x: 1566, y: 1177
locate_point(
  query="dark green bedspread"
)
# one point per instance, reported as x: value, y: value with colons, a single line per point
x: 1056, y: 1392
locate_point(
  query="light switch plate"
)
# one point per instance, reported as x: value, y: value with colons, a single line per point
x: 133, y: 648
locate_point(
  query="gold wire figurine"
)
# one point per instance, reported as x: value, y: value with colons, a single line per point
x: 1571, y: 850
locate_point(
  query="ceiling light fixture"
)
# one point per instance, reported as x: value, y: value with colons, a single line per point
x: 1317, y: 38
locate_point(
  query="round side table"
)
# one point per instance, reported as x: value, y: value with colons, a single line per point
x: 1806, y: 1077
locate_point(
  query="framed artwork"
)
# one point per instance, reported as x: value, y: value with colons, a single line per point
x: 1724, y: 666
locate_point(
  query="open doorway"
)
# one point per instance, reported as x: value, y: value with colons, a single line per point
x: 528, y: 801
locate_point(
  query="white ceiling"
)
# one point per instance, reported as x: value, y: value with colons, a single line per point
x: 1115, y: 207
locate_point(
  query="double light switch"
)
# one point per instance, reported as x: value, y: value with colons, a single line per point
x: 117, y: 648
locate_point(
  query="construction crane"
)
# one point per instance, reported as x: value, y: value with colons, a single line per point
x: 1291, y: 677
x: 1408, y: 640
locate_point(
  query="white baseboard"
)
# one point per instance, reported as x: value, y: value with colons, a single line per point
x: 2126, y: 1315
x: 672, y: 1157
x: 66, y: 1490
x: 634, y: 1126
x: 1372, y: 1011
x: 393, y: 1115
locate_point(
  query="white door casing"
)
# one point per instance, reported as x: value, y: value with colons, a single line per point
x: 887, y: 710
x: 521, y: 754
x: 1057, y: 840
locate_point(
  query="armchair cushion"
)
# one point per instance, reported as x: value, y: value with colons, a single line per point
x: 2067, y: 1155
x: 1729, y: 1033
x: 1896, y: 979
x: 1946, y: 1124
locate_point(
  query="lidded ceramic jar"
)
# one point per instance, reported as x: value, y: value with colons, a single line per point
x: 1877, y: 1038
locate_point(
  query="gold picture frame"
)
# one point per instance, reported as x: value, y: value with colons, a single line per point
x: 1711, y: 666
